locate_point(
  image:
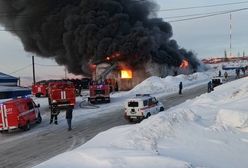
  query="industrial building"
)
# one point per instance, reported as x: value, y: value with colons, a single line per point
x: 9, y: 87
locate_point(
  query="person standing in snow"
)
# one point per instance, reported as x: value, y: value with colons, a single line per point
x: 54, y: 115
x: 226, y: 75
x: 219, y: 73
x: 68, y: 117
x: 180, y: 87
x: 209, y: 86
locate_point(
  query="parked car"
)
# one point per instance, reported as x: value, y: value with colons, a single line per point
x: 19, y: 113
x: 142, y: 106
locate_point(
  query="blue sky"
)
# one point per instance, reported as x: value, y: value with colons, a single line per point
x: 207, y: 37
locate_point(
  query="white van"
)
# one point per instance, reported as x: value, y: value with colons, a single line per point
x: 142, y: 106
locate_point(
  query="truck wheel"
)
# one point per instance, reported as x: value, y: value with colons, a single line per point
x: 148, y: 115
x: 39, y: 119
x: 92, y: 102
x: 161, y: 109
x: 38, y: 95
x: 27, y: 126
x: 130, y: 120
x: 4, y: 131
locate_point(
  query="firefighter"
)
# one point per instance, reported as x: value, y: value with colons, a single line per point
x: 219, y: 73
x: 209, y: 86
x: 180, y: 87
x: 54, y: 114
x: 226, y: 75
x: 68, y: 117
x: 116, y: 87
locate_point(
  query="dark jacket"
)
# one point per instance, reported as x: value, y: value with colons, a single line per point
x: 68, y: 114
x: 180, y: 85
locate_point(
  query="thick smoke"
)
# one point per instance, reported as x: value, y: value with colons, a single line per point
x: 78, y: 32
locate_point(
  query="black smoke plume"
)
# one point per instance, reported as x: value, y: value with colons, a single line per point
x: 78, y: 32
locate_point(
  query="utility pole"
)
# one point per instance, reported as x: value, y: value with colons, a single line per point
x: 19, y: 81
x: 33, y: 70
x: 65, y: 73
x: 230, y: 34
x: 225, y: 57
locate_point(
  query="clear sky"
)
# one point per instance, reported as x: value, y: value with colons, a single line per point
x: 207, y: 37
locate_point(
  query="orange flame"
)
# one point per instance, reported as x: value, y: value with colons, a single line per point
x: 114, y: 56
x: 126, y: 74
x: 184, y: 64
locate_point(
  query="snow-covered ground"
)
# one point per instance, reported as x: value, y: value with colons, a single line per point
x: 210, y: 131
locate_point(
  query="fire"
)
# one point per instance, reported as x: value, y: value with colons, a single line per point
x: 114, y: 56
x: 184, y: 64
x: 126, y: 74
x: 92, y: 67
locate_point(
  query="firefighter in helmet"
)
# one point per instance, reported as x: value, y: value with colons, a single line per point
x: 54, y: 115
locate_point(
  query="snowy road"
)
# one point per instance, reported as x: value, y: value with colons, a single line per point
x: 29, y: 150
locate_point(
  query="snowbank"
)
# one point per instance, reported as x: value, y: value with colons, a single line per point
x: 204, y: 132
x: 233, y: 118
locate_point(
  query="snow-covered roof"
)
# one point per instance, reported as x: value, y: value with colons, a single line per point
x: 5, y: 76
x: 10, y: 89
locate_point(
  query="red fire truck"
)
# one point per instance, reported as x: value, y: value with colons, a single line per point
x: 61, y: 95
x: 19, y: 113
x: 99, y: 93
x: 40, y: 89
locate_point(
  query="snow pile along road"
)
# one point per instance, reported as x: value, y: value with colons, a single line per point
x: 209, y: 131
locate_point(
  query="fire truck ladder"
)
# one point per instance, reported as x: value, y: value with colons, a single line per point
x: 106, y: 72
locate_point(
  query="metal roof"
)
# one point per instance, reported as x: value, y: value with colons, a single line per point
x: 5, y: 76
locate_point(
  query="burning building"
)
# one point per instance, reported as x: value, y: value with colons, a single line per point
x: 118, y: 75
x: 77, y: 33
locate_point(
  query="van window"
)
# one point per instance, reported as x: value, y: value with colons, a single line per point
x: 150, y: 102
x: 216, y: 81
x: 145, y: 102
x: 133, y: 104
x: 154, y: 100
x: 30, y: 105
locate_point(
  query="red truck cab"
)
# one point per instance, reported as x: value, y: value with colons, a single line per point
x: 99, y: 93
x: 40, y: 89
x: 61, y: 95
x: 19, y: 113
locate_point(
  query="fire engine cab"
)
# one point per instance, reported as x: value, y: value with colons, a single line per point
x: 19, y: 113
x: 40, y: 89
x: 142, y: 106
x: 99, y: 93
x: 61, y: 95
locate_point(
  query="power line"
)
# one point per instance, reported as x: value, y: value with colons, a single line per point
x: 202, y: 6
x: 20, y: 69
x: 4, y: 14
x: 196, y: 14
x: 47, y: 65
x: 209, y: 15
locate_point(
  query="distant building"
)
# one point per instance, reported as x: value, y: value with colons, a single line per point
x: 120, y: 74
x: 9, y: 88
x: 218, y: 60
x: 7, y: 80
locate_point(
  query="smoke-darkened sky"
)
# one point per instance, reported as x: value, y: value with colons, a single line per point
x: 207, y: 37
x: 76, y: 33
